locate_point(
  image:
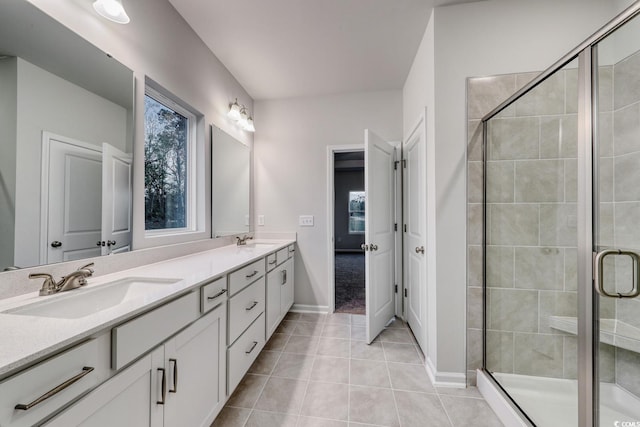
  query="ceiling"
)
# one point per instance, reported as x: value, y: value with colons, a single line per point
x: 292, y: 48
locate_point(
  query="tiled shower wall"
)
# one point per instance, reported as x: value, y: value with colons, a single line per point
x: 532, y: 219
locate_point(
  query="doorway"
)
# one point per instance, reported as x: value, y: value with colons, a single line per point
x: 349, y: 221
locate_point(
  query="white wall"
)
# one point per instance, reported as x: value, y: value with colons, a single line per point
x: 158, y: 43
x: 8, y: 95
x: 290, y: 166
x: 470, y: 40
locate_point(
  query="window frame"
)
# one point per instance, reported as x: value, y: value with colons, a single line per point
x: 191, y: 204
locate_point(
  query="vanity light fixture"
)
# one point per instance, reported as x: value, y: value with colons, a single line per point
x: 111, y: 10
x: 239, y: 114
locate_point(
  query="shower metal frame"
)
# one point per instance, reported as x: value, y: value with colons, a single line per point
x: 587, y: 215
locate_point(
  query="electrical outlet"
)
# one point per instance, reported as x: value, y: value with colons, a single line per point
x: 246, y: 220
x: 306, y: 221
x: 260, y: 219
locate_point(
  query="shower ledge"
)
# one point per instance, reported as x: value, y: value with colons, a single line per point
x: 612, y: 331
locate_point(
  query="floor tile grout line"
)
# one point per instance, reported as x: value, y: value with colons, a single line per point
x: 393, y: 394
x: 253, y: 407
x: 444, y: 408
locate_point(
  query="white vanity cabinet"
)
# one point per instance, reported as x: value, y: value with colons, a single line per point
x: 195, y: 366
x: 280, y: 288
x: 180, y: 383
x: 129, y: 398
x: 32, y: 395
x: 245, y: 334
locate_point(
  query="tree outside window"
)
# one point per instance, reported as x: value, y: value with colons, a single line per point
x: 166, y: 166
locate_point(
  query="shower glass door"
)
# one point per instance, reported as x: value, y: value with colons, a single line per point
x: 616, y: 236
x: 530, y: 248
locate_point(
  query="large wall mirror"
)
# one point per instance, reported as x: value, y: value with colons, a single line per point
x: 66, y: 138
x: 231, y: 177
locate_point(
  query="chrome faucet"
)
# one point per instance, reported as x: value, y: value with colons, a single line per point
x: 71, y: 281
x: 241, y: 241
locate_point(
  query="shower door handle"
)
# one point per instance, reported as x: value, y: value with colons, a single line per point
x: 599, y: 273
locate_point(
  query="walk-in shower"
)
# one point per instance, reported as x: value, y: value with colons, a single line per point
x: 561, y: 167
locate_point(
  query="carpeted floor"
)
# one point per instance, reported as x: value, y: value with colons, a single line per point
x: 350, y: 296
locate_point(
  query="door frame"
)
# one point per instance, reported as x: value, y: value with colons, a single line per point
x: 44, y: 184
x: 331, y: 264
x: 348, y: 148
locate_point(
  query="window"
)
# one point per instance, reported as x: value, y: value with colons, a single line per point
x: 169, y: 169
x: 356, y: 212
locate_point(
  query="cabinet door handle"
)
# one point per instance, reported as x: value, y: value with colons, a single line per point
x: 175, y: 376
x: 164, y: 387
x: 55, y: 390
x: 217, y: 295
x: 284, y: 277
x: 249, y: 276
x: 255, y: 343
x: 251, y: 306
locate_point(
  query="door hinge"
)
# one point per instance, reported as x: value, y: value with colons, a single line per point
x: 405, y: 292
x: 396, y: 289
x: 404, y: 163
x: 395, y: 227
x: 405, y: 228
x: 395, y: 165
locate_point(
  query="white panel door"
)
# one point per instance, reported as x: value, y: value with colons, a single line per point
x: 379, y: 233
x: 116, y: 200
x: 415, y: 236
x: 73, y: 195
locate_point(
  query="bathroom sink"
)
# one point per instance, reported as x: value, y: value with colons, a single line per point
x: 258, y: 246
x: 87, y: 301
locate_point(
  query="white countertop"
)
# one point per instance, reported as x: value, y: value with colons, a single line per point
x: 25, y: 339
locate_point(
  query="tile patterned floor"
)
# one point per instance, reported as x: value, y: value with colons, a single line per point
x: 316, y: 371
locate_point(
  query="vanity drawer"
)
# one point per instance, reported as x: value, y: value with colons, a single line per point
x: 87, y: 363
x: 282, y: 255
x: 247, y: 274
x: 271, y: 261
x: 243, y: 352
x: 245, y: 307
x: 213, y: 294
x: 132, y: 339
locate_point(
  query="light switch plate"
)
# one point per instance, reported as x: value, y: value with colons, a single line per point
x: 260, y: 219
x: 306, y: 221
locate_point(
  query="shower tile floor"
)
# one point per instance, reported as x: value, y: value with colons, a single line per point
x: 317, y: 371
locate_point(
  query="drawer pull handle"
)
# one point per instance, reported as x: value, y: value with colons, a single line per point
x: 249, y: 276
x: 251, y: 306
x: 175, y: 376
x: 164, y: 387
x: 255, y: 343
x: 291, y: 251
x: 217, y: 295
x: 272, y: 262
x: 55, y: 390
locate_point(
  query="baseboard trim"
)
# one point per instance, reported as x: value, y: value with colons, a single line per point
x: 445, y: 379
x: 304, y: 308
x: 498, y: 402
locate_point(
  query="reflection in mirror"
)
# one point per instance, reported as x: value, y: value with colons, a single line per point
x: 230, y: 176
x: 66, y: 135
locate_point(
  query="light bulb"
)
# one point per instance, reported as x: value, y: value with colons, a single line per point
x: 249, y: 127
x: 234, y: 111
x: 112, y: 10
x: 244, y: 119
